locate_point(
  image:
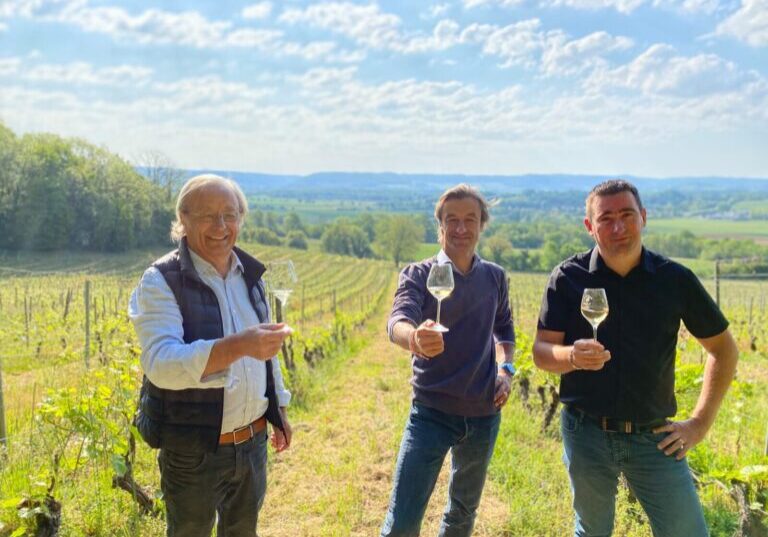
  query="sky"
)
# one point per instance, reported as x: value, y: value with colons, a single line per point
x: 655, y: 88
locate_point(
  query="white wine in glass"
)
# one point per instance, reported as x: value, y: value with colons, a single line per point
x: 440, y: 284
x: 280, y: 280
x: 594, y: 307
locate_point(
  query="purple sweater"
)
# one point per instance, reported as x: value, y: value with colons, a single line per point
x: 461, y: 380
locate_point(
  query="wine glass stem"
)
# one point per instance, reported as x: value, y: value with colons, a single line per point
x: 594, y: 331
x: 438, y: 311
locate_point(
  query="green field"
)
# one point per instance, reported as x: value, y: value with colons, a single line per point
x: 71, y: 423
x: 312, y: 211
x: 718, y: 229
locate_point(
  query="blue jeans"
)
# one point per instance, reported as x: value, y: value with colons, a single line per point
x: 429, y: 435
x: 198, y: 486
x: 662, y: 484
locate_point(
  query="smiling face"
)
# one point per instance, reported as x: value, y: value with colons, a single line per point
x: 460, y: 227
x: 616, y: 223
x: 211, y: 224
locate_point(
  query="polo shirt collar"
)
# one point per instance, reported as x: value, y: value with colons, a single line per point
x: 596, y: 262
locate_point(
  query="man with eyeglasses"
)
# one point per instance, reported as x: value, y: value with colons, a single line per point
x: 212, y: 380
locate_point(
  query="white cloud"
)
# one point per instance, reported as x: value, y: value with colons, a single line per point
x: 262, y: 10
x: 526, y: 44
x: 622, y: 6
x: 689, y: 6
x: 471, y: 4
x: 516, y: 44
x: 660, y: 71
x: 206, y: 92
x: 346, y: 56
x: 3, y: 26
x: 9, y: 66
x: 83, y: 73
x: 371, y: 28
x: 438, y: 10
x: 366, y: 24
x: 626, y: 7
x: 563, y: 57
x: 188, y: 28
x: 749, y: 23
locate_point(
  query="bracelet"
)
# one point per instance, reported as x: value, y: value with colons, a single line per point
x: 572, y: 362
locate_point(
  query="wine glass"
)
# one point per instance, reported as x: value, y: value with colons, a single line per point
x: 280, y: 279
x: 594, y: 307
x: 440, y: 284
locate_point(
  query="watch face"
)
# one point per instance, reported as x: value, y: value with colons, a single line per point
x: 509, y: 369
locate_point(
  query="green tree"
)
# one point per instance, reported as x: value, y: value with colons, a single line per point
x: 345, y: 238
x: 296, y: 239
x: 264, y: 235
x: 293, y: 222
x: 398, y: 237
x: 497, y: 248
x: 58, y: 193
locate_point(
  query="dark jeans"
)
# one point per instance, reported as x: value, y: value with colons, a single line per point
x: 662, y: 484
x: 429, y: 435
x: 230, y: 482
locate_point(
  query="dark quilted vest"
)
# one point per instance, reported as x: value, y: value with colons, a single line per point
x: 190, y: 420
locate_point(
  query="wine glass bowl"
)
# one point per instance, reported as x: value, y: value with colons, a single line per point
x: 440, y: 285
x: 594, y: 307
x: 280, y: 279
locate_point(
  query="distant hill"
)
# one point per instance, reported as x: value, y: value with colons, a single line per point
x: 352, y: 185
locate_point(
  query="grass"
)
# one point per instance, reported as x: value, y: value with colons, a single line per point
x: 335, y: 480
x: 736, y: 229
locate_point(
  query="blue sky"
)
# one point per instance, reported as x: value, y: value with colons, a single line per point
x: 642, y: 87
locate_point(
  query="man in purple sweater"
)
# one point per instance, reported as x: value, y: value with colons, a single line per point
x: 458, y: 389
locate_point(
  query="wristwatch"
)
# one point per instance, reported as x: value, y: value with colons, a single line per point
x: 508, y: 368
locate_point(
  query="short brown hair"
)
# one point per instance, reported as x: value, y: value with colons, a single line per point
x: 609, y: 188
x: 462, y: 191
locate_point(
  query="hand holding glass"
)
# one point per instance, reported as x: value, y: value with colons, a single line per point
x: 280, y: 280
x: 594, y: 307
x: 440, y: 284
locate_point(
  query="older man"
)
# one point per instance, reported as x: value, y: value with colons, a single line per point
x: 458, y: 388
x: 618, y: 390
x: 212, y: 379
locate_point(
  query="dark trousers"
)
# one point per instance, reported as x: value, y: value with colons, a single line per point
x: 198, y: 486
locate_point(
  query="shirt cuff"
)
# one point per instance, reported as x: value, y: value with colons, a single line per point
x: 199, y: 355
x: 396, y: 319
x: 506, y: 335
x: 283, y: 397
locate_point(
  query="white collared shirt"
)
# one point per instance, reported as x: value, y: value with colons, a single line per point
x: 171, y: 364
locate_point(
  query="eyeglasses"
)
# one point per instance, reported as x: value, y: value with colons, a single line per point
x: 210, y: 218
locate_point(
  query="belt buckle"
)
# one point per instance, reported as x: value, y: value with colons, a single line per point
x: 234, y: 434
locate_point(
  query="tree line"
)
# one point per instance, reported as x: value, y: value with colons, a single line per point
x: 542, y: 244
x: 58, y: 193
x: 387, y: 236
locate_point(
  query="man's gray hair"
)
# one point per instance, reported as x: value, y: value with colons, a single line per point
x: 193, y: 185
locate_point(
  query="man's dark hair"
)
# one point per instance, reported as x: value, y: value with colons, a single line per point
x: 609, y: 188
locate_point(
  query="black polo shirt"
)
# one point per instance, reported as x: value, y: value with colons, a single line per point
x: 645, y: 310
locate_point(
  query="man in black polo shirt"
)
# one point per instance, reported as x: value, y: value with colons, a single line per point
x: 619, y: 391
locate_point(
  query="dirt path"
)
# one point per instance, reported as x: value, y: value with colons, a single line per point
x: 335, y: 480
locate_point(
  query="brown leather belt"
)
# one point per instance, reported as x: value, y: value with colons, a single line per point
x: 610, y: 425
x: 243, y: 434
